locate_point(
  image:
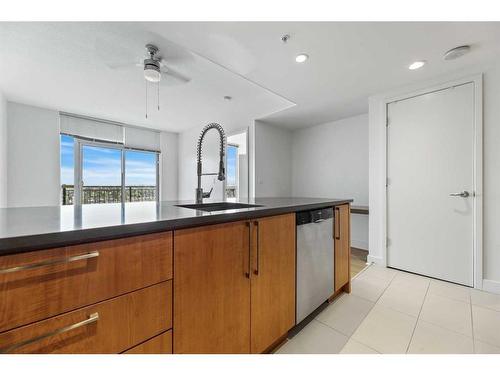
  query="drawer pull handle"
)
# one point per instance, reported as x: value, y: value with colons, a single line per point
x: 91, y: 319
x: 93, y: 254
x: 257, y: 267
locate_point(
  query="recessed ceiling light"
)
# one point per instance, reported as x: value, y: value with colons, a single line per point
x: 416, y: 65
x: 456, y: 52
x: 301, y: 58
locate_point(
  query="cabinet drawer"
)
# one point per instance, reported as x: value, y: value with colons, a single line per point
x: 161, y: 344
x: 41, y: 284
x: 111, y: 326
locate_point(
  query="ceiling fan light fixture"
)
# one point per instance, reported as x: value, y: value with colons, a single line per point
x: 152, y: 74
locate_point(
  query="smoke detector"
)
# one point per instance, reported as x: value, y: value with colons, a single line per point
x: 456, y: 52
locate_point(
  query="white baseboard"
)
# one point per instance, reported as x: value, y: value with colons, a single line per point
x: 359, y: 244
x: 376, y: 260
x: 491, y: 286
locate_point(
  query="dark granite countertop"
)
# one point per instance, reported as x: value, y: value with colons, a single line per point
x: 33, y: 228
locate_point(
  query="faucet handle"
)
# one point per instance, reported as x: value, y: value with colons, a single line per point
x: 208, y: 193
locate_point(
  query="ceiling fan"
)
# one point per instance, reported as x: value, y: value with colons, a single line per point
x: 155, y: 70
x: 155, y: 67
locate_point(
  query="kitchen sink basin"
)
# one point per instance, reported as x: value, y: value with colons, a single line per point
x: 218, y: 206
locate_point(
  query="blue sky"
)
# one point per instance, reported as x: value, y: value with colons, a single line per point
x: 102, y: 166
x: 232, y: 153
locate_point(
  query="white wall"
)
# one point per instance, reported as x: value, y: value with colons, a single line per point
x: 3, y: 151
x: 331, y: 161
x: 491, y: 171
x: 169, y: 174
x: 273, y: 161
x: 33, y: 156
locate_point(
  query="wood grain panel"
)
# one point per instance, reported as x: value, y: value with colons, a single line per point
x: 123, y: 322
x: 211, y: 291
x: 342, y: 247
x: 161, y: 344
x: 123, y: 265
x: 273, y: 280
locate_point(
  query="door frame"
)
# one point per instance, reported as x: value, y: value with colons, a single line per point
x: 229, y: 134
x: 477, y: 81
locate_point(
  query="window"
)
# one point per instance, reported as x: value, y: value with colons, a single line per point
x: 106, y: 173
x: 236, y: 183
x: 140, y: 176
x: 101, y: 174
x: 232, y: 171
x: 67, y: 169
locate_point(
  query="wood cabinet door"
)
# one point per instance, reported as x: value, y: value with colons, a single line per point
x: 272, y: 280
x: 342, y: 232
x: 212, y: 289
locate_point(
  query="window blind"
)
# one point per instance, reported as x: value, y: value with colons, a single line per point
x: 91, y: 129
x: 102, y: 130
x: 144, y: 139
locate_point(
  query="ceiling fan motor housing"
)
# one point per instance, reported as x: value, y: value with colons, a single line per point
x: 152, y: 70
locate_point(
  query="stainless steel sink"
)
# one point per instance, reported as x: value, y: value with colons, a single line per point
x: 218, y: 206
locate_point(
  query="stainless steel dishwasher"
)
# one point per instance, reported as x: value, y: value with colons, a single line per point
x: 315, y: 260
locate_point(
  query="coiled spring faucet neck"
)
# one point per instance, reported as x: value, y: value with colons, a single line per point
x: 221, y: 175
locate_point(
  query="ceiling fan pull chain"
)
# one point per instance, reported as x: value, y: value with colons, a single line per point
x: 146, y: 99
x: 158, y: 84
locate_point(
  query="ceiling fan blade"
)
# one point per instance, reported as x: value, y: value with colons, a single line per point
x: 177, y: 76
x: 125, y: 65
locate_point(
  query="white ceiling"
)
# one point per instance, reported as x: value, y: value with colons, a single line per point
x: 58, y: 66
x: 65, y: 66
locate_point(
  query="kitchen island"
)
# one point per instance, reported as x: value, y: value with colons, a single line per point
x: 154, y: 277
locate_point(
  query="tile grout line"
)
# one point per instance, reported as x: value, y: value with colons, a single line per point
x: 349, y: 337
x: 374, y: 303
x: 418, y: 317
x: 359, y: 342
x: 334, y: 329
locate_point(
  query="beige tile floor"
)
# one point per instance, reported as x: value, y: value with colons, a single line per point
x: 390, y: 311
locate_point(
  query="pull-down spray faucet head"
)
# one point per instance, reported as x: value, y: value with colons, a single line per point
x: 222, y: 170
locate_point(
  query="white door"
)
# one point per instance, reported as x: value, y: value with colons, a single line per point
x: 430, y: 169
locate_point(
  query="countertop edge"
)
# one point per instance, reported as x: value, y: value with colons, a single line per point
x: 27, y: 243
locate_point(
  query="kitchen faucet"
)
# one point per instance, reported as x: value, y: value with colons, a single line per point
x: 221, y: 175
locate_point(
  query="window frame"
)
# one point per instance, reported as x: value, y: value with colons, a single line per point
x: 237, y: 171
x: 80, y: 142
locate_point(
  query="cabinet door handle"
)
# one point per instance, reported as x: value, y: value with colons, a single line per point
x: 337, y: 223
x: 247, y: 268
x: 256, y: 271
x: 91, y: 319
x: 50, y: 262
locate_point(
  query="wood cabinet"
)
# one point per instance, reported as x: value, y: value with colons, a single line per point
x: 234, y: 285
x: 342, y: 233
x: 272, y: 280
x: 40, y: 284
x: 233, y: 290
x: 212, y: 289
x: 111, y: 326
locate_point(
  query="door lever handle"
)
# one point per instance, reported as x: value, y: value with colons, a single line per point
x: 463, y: 194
